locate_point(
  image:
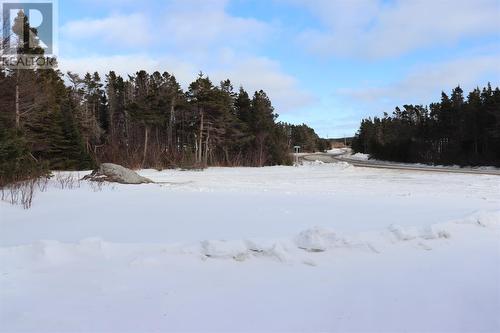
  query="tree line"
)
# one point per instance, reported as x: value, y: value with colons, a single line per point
x: 49, y: 120
x: 456, y: 130
x: 144, y: 121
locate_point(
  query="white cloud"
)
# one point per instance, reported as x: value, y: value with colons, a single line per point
x: 379, y: 29
x: 116, y: 31
x: 200, y: 26
x: 189, y: 36
x: 256, y: 73
x: 424, y: 83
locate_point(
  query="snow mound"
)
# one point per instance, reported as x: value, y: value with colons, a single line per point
x: 236, y: 250
x: 338, y: 151
x: 92, y: 245
x: 486, y: 219
x: 491, y: 219
x: 360, y: 157
x: 51, y: 252
x: 59, y: 253
x: 316, y: 239
x: 403, y: 234
x: 434, y: 232
x: 243, y: 250
x: 341, y: 165
x: 411, y: 233
x: 274, y: 249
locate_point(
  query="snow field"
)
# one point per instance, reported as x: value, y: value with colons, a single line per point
x: 321, y: 247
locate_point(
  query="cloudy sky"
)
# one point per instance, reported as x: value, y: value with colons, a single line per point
x: 327, y: 63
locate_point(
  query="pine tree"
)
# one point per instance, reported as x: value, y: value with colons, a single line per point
x: 262, y: 124
x: 455, y: 131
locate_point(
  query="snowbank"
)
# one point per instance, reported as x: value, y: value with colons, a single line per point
x: 316, y: 239
x: 360, y: 157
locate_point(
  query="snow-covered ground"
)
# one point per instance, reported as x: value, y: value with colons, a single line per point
x: 359, y: 156
x: 320, y: 247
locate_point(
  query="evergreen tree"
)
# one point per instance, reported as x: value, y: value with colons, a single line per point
x: 453, y: 131
x: 143, y: 120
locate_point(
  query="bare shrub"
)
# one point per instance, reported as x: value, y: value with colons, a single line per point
x: 27, y: 192
x: 20, y: 193
x: 42, y: 183
x: 67, y: 181
x: 97, y: 186
x: 23, y: 192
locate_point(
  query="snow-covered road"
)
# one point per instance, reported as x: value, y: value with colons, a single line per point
x: 362, y: 160
x: 321, y: 247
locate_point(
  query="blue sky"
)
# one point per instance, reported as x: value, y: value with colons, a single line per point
x: 327, y: 63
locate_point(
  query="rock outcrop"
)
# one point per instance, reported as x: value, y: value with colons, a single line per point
x: 116, y: 173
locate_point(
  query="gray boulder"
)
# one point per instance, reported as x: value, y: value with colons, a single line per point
x: 116, y: 173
